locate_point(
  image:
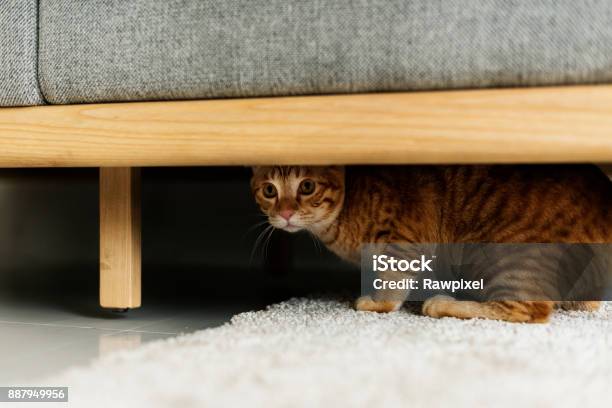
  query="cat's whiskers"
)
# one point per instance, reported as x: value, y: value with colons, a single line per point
x: 315, y: 241
x: 259, y: 240
x: 253, y: 227
x: 266, y: 243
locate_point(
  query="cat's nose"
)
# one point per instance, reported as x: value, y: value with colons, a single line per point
x: 286, y: 214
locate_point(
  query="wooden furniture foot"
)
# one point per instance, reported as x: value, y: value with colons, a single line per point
x: 120, y: 262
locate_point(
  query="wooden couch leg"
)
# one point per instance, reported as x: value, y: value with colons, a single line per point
x: 120, y: 283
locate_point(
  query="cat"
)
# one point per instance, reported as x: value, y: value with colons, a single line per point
x: 345, y: 207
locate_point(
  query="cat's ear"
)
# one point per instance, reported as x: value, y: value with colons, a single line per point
x: 255, y: 168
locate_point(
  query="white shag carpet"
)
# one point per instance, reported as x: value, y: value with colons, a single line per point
x: 319, y: 352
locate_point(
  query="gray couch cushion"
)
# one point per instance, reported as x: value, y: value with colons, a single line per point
x: 18, y: 44
x: 118, y: 50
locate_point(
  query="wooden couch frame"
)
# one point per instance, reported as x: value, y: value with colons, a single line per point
x: 535, y: 125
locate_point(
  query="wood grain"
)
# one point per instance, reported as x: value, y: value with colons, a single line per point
x: 120, y: 238
x: 564, y: 124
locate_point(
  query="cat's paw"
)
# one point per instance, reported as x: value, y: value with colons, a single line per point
x: 437, y: 306
x: 367, y: 304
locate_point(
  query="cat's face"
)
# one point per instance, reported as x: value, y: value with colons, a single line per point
x: 299, y: 197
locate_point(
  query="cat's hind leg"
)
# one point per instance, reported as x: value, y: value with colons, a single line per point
x: 510, y: 311
x: 584, y: 306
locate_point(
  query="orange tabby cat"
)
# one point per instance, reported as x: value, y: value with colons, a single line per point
x: 346, y: 207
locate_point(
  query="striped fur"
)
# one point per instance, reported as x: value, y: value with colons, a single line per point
x: 445, y: 204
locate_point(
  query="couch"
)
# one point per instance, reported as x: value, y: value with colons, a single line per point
x: 121, y: 84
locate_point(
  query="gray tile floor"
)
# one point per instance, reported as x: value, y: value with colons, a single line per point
x: 39, y: 339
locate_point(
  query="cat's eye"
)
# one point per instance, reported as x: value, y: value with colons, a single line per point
x: 307, y: 187
x: 269, y: 191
